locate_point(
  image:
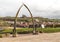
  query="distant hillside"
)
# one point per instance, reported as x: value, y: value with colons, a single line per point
x: 28, y: 19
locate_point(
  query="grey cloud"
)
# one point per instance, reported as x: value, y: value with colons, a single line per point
x: 10, y: 7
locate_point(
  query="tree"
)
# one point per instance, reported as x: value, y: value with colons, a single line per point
x: 24, y: 16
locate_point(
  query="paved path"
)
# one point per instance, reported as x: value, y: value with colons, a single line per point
x: 44, y: 37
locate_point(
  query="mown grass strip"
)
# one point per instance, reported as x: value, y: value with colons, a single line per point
x: 29, y: 30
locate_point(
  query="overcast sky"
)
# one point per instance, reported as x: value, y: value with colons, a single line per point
x: 44, y: 8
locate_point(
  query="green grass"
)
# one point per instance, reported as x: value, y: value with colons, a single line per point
x: 20, y: 30
x: 49, y: 30
x: 29, y: 30
x: 24, y: 30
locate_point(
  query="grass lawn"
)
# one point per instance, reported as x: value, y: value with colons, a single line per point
x: 30, y: 30
x: 49, y: 30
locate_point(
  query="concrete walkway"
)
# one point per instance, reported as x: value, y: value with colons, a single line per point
x: 44, y: 37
